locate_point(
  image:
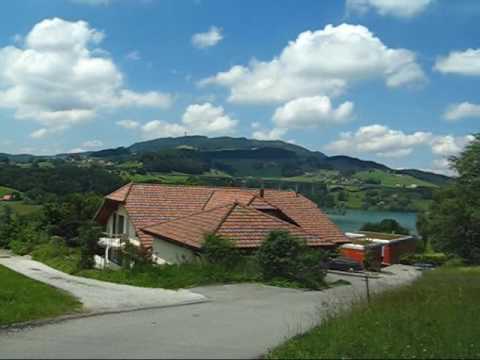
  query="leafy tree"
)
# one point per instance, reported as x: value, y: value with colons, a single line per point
x: 220, y: 250
x: 386, y: 226
x: 453, y: 222
x: 89, y: 233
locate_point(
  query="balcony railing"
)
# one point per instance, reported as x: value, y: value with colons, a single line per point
x: 116, y: 240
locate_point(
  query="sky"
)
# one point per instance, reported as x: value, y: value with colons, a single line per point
x: 394, y: 81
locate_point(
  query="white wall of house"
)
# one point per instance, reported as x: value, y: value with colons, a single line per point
x: 128, y: 226
x: 165, y: 252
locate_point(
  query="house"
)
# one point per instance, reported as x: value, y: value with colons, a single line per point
x: 389, y: 248
x: 170, y: 221
x: 7, y: 197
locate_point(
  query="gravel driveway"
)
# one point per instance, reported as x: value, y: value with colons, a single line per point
x: 100, y: 296
x: 239, y: 321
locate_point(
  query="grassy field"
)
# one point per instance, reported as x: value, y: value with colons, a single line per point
x: 388, y: 179
x: 436, y: 317
x: 6, y: 190
x: 21, y: 208
x: 23, y: 299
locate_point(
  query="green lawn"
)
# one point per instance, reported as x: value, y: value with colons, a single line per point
x: 6, y: 190
x: 23, y: 299
x: 436, y: 317
x: 388, y: 179
x: 21, y: 208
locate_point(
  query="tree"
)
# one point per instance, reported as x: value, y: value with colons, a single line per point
x: 89, y: 233
x: 390, y: 226
x: 453, y: 221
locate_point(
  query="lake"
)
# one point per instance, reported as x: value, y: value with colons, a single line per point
x: 354, y: 219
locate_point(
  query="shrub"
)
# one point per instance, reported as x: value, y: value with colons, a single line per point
x: 219, y: 250
x: 311, y: 269
x: 88, y: 236
x: 386, y: 226
x: 430, y: 258
x: 278, y: 255
x: 371, y: 262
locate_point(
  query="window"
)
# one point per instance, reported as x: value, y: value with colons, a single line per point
x: 120, y: 224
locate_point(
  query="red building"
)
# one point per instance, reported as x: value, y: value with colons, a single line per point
x: 389, y: 248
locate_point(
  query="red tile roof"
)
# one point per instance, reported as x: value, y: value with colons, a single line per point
x: 197, y: 207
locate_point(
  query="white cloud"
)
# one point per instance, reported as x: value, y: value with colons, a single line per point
x: 323, y: 62
x: 207, y: 39
x: 92, y: 144
x: 273, y: 134
x: 398, y: 8
x: 460, y: 62
x: 59, y: 78
x: 379, y: 140
x: 449, y: 145
x: 133, y: 55
x: 157, y: 129
x: 128, y: 124
x: 311, y: 112
x: 198, y: 119
x: 206, y: 119
x: 461, y: 111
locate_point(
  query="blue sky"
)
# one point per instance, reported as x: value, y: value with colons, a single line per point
x: 391, y: 81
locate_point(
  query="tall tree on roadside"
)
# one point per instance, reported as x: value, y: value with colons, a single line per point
x: 453, y: 222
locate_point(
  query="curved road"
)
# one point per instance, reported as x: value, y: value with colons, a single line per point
x: 240, y: 321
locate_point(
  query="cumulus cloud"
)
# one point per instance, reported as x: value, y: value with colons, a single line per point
x: 324, y: 62
x: 273, y: 134
x: 206, y: 119
x: 463, y: 110
x: 207, y: 39
x: 460, y: 62
x: 59, y: 78
x: 157, y: 128
x: 128, y: 124
x: 449, y: 145
x: 311, y: 112
x: 198, y: 119
x: 379, y: 140
x: 398, y: 8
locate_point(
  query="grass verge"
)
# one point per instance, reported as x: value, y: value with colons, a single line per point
x: 24, y: 299
x: 435, y: 317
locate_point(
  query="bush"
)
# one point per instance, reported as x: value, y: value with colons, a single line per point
x: 88, y: 236
x: 284, y: 257
x: 386, y: 226
x: 278, y: 254
x: 57, y: 255
x: 311, y: 269
x: 371, y: 262
x: 219, y: 250
x: 432, y: 258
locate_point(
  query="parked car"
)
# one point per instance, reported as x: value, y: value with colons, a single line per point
x: 424, y: 266
x: 344, y: 264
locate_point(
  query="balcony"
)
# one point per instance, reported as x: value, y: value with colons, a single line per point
x: 116, y: 240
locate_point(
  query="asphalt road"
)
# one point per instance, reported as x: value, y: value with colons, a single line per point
x: 99, y: 296
x: 240, y: 321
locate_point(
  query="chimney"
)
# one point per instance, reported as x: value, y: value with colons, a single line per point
x: 262, y: 191
x: 296, y: 189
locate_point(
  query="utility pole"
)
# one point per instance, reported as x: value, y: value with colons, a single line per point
x: 367, y: 288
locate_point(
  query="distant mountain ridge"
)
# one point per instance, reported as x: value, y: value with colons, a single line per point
x: 241, y: 153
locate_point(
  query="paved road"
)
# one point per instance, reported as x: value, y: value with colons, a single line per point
x: 99, y: 296
x: 240, y: 321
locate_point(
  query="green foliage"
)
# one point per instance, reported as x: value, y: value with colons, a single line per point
x: 435, y: 317
x: 25, y: 237
x: 220, y: 250
x: 429, y: 258
x: 452, y: 225
x: 89, y: 233
x: 57, y: 255
x: 371, y: 262
x: 23, y: 299
x: 278, y: 254
x: 389, y: 226
x: 177, y: 276
x: 284, y: 257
